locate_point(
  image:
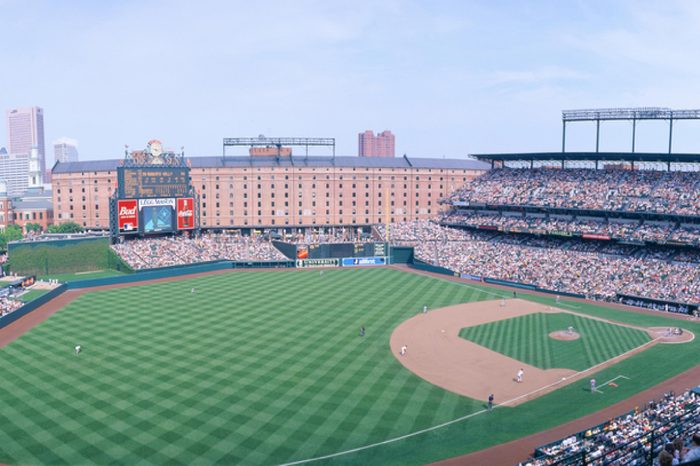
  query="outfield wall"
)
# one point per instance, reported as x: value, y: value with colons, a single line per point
x: 31, y: 305
x: 61, y: 256
x: 401, y: 254
x: 420, y: 265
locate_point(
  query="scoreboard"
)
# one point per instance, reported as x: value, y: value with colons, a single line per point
x: 153, y: 199
x: 343, y: 250
x: 153, y: 181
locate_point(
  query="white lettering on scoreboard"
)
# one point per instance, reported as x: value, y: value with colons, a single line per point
x: 156, y: 202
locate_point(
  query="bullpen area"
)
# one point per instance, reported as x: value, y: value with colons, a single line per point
x: 270, y: 368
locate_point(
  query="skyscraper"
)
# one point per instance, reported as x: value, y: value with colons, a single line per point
x: 381, y: 145
x: 65, y: 150
x: 25, y: 129
x: 14, y: 172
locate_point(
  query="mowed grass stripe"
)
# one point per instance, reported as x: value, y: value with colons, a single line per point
x: 224, y: 374
x: 526, y: 338
x: 252, y: 368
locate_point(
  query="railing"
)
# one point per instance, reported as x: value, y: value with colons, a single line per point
x: 639, y: 450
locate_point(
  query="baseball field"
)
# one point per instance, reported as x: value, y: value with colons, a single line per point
x: 269, y: 368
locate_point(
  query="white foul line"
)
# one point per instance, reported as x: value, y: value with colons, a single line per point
x: 413, y: 434
x: 391, y: 440
x: 460, y: 419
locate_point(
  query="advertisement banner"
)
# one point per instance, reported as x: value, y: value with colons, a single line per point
x: 127, y: 216
x: 303, y: 263
x: 302, y: 252
x: 169, y: 201
x: 591, y: 236
x: 658, y: 304
x: 185, y: 213
x: 363, y: 261
x: 469, y: 276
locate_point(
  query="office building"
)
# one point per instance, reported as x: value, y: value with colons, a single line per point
x: 381, y: 145
x: 14, y: 171
x: 25, y: 130
x: 65, y: 150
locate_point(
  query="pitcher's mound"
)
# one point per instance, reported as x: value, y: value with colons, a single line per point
x: 564, y: 335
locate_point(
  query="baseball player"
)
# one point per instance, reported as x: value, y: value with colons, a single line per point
x: 77, y: 349
x: 403, y: 350
x: 519, y: 375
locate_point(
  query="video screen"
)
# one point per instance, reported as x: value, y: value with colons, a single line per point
x: 157, y: 218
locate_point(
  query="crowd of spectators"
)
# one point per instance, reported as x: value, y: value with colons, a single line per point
x: 627, y: 439
x: 331, y: 235
x: 629, y: 230
x: 408, y: 233
x: 565, y: 265
x: 609, y: 189
x: 150, y: 253
x: 8, y: 305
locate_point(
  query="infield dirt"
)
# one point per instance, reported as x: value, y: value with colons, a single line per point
x: 436, y: 353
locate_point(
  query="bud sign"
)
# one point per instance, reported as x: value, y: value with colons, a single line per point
x: 185, y: 213
x: 128, y: 216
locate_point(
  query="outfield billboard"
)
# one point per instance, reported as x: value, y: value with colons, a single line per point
x: 303, y: 263
x: 127, y: 216
x: 185, y: 213
x: 363, y: 261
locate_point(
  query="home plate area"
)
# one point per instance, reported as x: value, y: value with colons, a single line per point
x: 517, y: 349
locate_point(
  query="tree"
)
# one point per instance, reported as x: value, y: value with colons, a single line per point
x: 67, y: 227
x: 10, y: 233
x: 33, y: 227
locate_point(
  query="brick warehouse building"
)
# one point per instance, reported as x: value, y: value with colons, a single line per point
x: 246, y: 192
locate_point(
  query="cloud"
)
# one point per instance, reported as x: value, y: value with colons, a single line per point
x: 541, y: 75
x: 662, y: 36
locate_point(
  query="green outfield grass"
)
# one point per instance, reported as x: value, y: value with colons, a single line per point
x: 71, y: 277
x: 527, y: 339
x: 262, y: 368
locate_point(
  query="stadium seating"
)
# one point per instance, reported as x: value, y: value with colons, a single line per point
x: 630, y: 439
x: 149, y: 253
x: 627, y: 230
x: 611, y: 190
x: 596, y: 270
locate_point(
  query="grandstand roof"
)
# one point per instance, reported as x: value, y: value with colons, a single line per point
x: 592, y: 156
x: 297, y: 161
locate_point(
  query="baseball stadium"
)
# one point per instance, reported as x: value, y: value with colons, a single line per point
x: 545, y: 313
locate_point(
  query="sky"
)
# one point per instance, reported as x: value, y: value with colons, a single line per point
x: 448, y: 78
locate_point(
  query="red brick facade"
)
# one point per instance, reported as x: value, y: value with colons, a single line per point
x: 272, y: 194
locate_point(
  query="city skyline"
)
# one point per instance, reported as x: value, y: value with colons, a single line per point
x: 449, y: 79
x: 65, y: 150
x: 25, y: 131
